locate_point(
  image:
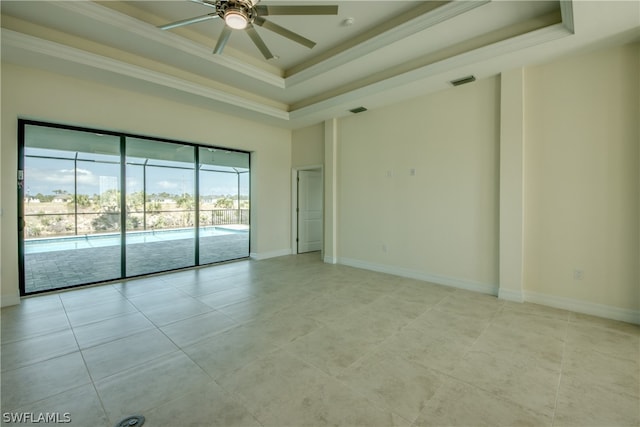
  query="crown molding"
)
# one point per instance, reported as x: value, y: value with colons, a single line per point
x: 27, y: 43
x: 422, y: 21
x: 533, y: 38
x: 76, y: 56
x: 419, y: 23
x: 389, y: 86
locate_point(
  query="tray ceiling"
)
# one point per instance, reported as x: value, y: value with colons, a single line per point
x: 393, y: 50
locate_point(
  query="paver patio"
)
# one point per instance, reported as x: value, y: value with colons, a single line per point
x: 50, y: 270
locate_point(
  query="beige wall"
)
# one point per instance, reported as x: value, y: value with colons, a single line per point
x: 307, y: 146
x: 581, y: 175
x: 582, y: 179
x: 35, y: 94
x: 580, y: 190
x: 442, y: 223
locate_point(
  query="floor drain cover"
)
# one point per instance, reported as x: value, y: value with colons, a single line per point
x: 132, y: 421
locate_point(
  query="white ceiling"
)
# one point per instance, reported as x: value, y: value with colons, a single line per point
x: 393, y: 51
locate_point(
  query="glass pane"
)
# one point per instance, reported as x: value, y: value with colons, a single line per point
x: 98, y: 190
x: 244, y: 200
x: 220, y: 158
x: 71, y: 208
x: 160, y: 206
x: 224, y: 205
x: 68, y: 140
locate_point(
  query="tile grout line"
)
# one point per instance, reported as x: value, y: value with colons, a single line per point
x: 229, y: 393
x: 156, y: 358
x: 178, y: 349
x: 373, y: 350
x: 489, y: 323
x: 454, y: 378
x: 562, y: 362
x: 341, y: 382
x: 429, y: 309
x: 377, y: 346
x: 494, y: 321
x: 93, y: 384
x: 41, y: 361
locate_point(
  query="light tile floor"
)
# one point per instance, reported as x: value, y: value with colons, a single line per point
x: 294, y: 342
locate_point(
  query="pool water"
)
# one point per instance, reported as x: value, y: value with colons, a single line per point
x: 33, y: 246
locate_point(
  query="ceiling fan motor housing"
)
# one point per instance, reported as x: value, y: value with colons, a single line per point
x: 244, y: 8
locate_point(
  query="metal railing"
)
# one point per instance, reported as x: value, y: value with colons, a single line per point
x: 224, y: 216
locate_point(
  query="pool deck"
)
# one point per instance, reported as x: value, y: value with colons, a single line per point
x: 52, y: 270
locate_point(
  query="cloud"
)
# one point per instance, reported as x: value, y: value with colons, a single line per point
x: 45, y: 180
x: 62, y: 176
x: 166, y: 185
x: 84, y: 176
x: 133, y: 185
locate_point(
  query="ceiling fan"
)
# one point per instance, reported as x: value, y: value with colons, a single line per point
x: 243, y: 14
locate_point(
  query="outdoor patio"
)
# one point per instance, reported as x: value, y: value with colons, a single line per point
x: 50, y: 270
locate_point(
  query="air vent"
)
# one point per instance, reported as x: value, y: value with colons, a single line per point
x: 358, y: 110
x: 132, y: 421
x: 463, y: 80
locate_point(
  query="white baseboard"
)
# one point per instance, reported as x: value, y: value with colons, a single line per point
x: 584, y: 307
x: 510, y: 295
x: 468, y: 285
x: 578, y: 306
x: 330, y: 260
x: 271, y: 254
x: 8, y: 300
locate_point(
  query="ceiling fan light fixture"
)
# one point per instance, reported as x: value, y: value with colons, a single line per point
x: 243, y: 14
x: 236, y: 18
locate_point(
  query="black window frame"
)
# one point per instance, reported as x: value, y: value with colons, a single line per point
x: 22, y: 125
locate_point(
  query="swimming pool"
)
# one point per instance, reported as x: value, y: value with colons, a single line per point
x: 33, y: 246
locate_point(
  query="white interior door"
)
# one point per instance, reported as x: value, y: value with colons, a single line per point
x: 309, y: 211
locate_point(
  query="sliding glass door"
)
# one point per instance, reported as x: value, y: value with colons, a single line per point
x: 224, y: 204
x: 160, y: 206
x: 98, y: 206
x: 70, y: 210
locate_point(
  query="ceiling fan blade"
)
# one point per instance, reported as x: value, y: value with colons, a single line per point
x: 284, y: 32
x: 208, y: 3
x: 296, y: 10
x: 222, y: 40
x: 257, y: 40
x: 189, y: 21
